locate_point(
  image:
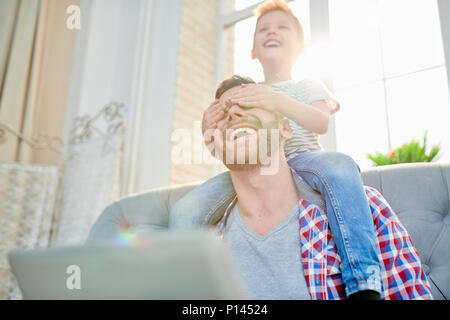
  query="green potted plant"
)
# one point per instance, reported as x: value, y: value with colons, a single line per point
x: 408, y: 152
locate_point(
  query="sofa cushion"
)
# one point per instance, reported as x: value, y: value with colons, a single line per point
x: 419, y: 194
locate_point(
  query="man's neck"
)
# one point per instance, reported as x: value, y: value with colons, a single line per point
x: 265, y: 197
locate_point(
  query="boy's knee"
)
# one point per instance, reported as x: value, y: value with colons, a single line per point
x: 182, y: 206
x: 181, y: 213
x: 341, y: 164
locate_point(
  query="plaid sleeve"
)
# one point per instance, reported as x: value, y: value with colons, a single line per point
x: 402, y: 273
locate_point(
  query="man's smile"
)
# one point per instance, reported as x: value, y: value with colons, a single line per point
x: 243, y: 128
x: 243, y: 131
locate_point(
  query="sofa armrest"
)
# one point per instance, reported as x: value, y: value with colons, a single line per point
x: 137, y: 215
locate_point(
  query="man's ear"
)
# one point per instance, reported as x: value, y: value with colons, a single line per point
x: 285, y: 128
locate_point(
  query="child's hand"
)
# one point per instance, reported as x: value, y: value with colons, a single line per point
x: 214, y: 113
x: 256, y: 96
x: 212, y: 116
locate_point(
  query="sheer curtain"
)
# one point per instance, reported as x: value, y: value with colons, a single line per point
x: 28, y: 195
x: 91, y: 181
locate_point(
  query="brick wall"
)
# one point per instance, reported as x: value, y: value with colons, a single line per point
x: 195, y: 84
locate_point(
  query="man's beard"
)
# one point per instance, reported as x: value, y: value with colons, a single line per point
x: 267, y: 147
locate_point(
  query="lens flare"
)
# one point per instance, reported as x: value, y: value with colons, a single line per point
x: 127, y: 236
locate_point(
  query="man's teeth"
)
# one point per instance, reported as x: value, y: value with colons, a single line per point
x: 240, y: 132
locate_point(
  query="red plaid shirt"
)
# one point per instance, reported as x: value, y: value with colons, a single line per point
x: 401, y: 271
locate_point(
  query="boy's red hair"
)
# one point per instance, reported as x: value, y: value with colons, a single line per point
x: 272, y: 5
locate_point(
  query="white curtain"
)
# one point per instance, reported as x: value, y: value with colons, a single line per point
x: 91, y: 181
x: 28, y: 195
x: 91, y: 171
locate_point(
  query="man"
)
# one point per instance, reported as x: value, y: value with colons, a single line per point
x: 281, y: 241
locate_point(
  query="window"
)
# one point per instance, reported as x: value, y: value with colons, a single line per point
x: 389, y: 70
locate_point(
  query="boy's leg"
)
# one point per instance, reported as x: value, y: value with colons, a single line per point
x: 197, y: 207
x: 337, y: 177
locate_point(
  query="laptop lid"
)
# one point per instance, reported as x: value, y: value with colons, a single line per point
x: 169, y: 265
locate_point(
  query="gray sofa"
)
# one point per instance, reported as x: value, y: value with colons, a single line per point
x: 418, y: 193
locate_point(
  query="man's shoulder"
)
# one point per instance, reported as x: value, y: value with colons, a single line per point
x: 383, y: 215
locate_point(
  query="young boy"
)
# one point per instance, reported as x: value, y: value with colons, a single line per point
x: 278, y: 43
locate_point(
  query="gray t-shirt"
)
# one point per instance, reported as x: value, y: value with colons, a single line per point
x: 270, y: 265
x: 307, y: 91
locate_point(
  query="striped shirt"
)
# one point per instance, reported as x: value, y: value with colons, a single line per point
x: 307, y: 91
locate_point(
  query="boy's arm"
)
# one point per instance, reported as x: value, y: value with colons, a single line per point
x: 314, y: 117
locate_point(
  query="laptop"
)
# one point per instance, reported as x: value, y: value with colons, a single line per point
x: 168, y: 265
